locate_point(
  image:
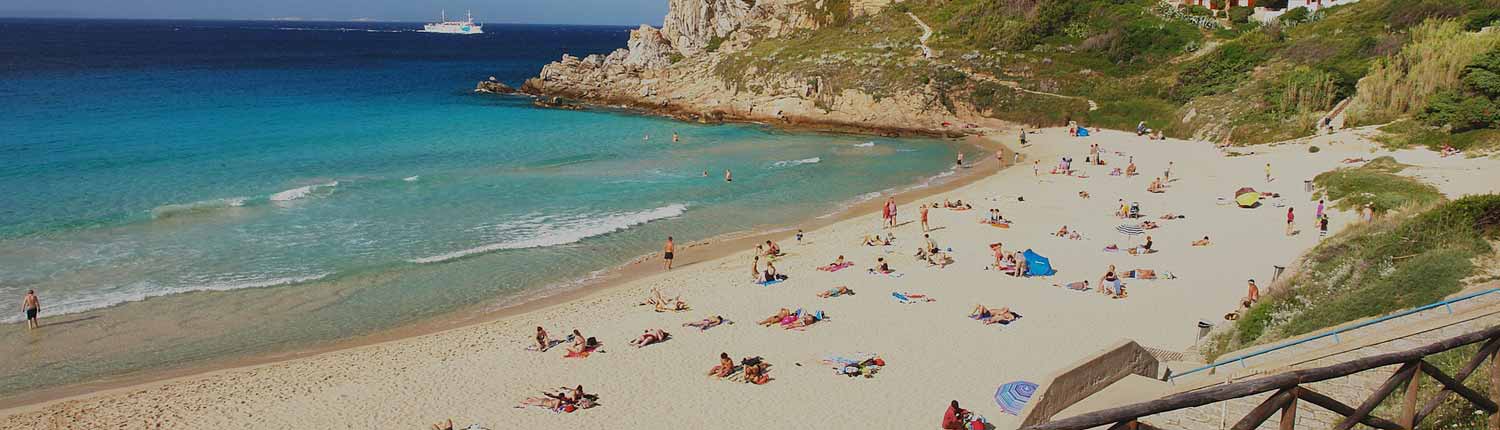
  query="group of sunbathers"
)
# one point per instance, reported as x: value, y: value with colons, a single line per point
x: 994, y: 218
x: 566, y: 400
x: 580, y: 343
x: 1070, y: 234
x: 875, y: 240
x: 933, y: 255
x: 756, y: 369
x: 955, y: 205
x: 793, y: 320
x: 676, y: 304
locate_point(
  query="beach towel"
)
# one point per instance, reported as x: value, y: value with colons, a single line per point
x: 770, y: 282
x: 550, y: 343
x: 581, y: 354
x: 1037, y: 265
x: 892, y: 274
x: 838, y: 267
x: 999, y: 225
x: 909, y: 298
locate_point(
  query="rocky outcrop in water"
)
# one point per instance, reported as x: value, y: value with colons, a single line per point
x: 493, y: 86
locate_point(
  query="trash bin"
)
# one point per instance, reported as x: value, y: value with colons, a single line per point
x: 1307, y: 185
x: 1203, y: 328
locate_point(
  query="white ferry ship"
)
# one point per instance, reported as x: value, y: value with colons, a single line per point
x: 467, y: 26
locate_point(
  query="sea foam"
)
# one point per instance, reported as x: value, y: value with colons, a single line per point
x: 790, y: 163
x: 144, y: 290
x: 567, y: 231
x: 300, y: 192
x: 168, y: 211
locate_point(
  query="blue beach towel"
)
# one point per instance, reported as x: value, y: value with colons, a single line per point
x: 770, y: 282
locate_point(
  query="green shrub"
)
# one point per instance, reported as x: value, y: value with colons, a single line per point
x: 1240, y: 15
x: 1313, y: 149
x: 1373, y: 269
x: 1294, y: 16
x: 1375, y: 183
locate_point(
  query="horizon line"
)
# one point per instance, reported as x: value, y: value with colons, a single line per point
x: 298, y: 19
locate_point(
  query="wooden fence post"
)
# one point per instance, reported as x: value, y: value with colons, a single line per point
x: 1409, y: 405
x: 1289, y: 412
x: 1495, y: 387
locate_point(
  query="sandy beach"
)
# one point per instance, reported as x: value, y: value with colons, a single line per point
x: 477, y: 374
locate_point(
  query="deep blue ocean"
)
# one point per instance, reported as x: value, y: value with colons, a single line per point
x: 187, y: 190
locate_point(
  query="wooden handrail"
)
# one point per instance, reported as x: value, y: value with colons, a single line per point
x: 1410, y: 359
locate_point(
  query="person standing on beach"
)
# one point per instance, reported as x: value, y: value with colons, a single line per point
x: 1323, y: 226
x: 1023, y: 137
x: 924, y: 218
x: 31, y: 307
x: 1290, y: 218
x: 667, y: 251
x: 1167, y: 175
x: 885, y: 214
x: 1318, y: 216
x: 1268, y: 172
x: 1252, y: 295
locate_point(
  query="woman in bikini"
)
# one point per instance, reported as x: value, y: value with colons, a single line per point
x: 724, y: 368
x: 649, y: 337
x: 706, y: 323
x: 992, y: 316
x: 755, y: 268
x: 542, y: 343
x: 775, y: 319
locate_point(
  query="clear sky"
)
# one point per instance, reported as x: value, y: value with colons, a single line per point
x: 622, y: 12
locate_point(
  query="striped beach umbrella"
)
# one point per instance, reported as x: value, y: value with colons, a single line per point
x: 1130, y: 229
x: 1013, y: 396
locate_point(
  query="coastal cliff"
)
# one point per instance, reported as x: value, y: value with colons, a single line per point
x: 679, y: 70
x: 936, y: 66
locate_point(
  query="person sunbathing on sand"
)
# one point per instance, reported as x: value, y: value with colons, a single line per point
x: 1149, y: 225
x: 1076, y: 286
x: 724, y: 368
x: 775, y: 319
x: 772, y: 250
x: 650, y: 336
x: 1201, y: 242
x: 1156, y: 187
x: 1130, y: 169
x: 443, y: 426
x: 993, y: 316
x: 707, y: 323
x: 1109, y: 283
x: 1061, y: 232
x: 1083, y: 194
x: 835, y: 292
x: 542, y: 343
x: 755, y: 371
x: 940, y: 259
x: 581, y: 344
x: 771, y: 273
x: 807, y: 319
x: 662, y: 305
x: 881, y: 267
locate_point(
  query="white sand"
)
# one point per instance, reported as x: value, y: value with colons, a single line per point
x: 935, y: 354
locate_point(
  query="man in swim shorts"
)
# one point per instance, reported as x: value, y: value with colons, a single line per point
x: 31, y: 306
x: 667, y: 252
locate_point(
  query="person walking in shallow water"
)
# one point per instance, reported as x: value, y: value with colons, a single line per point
x: 667, y: 251
x: 32, y: 307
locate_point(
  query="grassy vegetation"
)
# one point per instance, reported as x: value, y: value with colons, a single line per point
x: 1372, y: 269
x: 1377, y: 184
x: 1400, y: 86
x: 1139, y: 60
x: 1410, y: 133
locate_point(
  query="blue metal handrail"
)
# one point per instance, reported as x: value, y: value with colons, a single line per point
x: 1335, y: 333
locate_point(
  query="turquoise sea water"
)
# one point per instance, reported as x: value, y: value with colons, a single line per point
x: 346, y: 173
